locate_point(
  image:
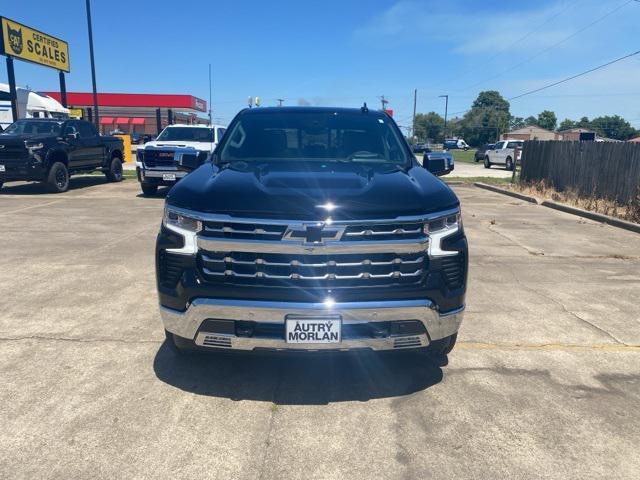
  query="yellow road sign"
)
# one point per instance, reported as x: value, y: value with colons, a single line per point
x: 25, y: 43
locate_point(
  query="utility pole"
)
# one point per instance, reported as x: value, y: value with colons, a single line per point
x: 210, y: 122
x: 383, y: 102
x: 446, y: 107
x: 93, y: 67
x: 415, y: 99
x: 280, y: 100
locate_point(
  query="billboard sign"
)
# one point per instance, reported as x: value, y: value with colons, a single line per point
x: 25, y: 43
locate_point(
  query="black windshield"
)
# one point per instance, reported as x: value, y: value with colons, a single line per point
x: 313, y: 136
x: 30, y: 127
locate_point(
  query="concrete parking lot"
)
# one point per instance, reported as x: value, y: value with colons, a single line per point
x: 545, y: 381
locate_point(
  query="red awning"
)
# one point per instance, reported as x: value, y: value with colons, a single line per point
x: 106, y: 120
x: 137, y: 121
x: 122, y: 121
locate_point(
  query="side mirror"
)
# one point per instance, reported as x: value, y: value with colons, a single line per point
x: 71, y: 136
x: 436, y: 166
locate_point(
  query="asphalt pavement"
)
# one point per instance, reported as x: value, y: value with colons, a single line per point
x: 544, y: 382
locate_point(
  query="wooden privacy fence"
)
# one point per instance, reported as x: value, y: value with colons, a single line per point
x: 596, y: 169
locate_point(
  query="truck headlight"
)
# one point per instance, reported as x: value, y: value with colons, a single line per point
x: 439, y: 228
x: 184, y: 225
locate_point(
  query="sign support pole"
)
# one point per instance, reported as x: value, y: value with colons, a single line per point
x: 93, y: 67
x: 12, y: 88
x: 63, y: 90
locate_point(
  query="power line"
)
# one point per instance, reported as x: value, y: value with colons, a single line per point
x: 576, y: 76
x: 564, y: 80
x: 545, y: 50
x: 504, y: 49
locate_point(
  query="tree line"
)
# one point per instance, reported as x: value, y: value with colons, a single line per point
x: 489, y: 117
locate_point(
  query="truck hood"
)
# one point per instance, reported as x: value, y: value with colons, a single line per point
x: 204, y: 146
x: 303, y: 191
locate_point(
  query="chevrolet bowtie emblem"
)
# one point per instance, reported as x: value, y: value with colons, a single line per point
x: 314, y: 233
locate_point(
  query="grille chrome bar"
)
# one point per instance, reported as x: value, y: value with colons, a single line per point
x: 255, y: 231
x: 328, y: 247
x: 297, y: 263
x: 327, y: 276
x: 395, y: 231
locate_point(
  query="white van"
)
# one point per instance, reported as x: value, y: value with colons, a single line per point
x: 30, y: 105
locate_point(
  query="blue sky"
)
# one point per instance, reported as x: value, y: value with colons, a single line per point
x: 345, y: 52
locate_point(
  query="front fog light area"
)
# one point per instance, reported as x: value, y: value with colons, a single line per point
x: 439, y: 228
x: 186, y: 226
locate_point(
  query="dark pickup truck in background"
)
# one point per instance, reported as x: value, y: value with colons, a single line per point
x: 50, y: 150
x: 312, y: 229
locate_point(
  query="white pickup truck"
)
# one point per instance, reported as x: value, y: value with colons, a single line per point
x: 157, y: 162
x: 503, y: 153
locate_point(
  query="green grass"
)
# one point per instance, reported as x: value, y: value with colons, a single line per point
x: 462, y: 156
x: 491, y: 180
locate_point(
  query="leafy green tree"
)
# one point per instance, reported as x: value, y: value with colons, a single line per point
x: 547, y: 119
x: 613, y: 126
x: 531, y: 120
x: 488, y: 117
x: 516, y: 123
x: 429, y: 126
x: 584, y: 122
x: 566, y: 124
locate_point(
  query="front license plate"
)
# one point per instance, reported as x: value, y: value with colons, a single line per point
x: 2, y: 168
x: 168, y: 176
x: 317, y: 329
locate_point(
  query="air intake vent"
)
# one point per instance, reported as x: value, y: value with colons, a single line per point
x: 211, y: 340
x: 407, y: 342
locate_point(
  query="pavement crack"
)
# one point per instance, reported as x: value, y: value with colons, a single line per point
x: 513, y: 240
x: 568, y: 311
x: 267, y: 443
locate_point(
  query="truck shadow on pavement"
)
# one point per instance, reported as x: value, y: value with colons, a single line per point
x: 37, y: 188
x: 312, y: 379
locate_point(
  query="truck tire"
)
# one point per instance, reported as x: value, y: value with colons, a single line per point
x: 148, y: 189
x: 487, y: 163
x: 58, y: 178
x: 114, y: 174
x: 509, y: 164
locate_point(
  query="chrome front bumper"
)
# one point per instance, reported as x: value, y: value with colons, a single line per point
x: 159, y: 172
x: 186, y: 324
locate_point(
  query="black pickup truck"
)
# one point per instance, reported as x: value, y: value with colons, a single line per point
x: 312, y: 229
x: 49, y: 151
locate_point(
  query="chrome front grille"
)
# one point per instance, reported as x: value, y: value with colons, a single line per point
x: 158, y: 158
x: 245, y: 231
x: 390, y: 231
x: 317, y: 254
x: 323, y: 270
x: 298, y: 231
